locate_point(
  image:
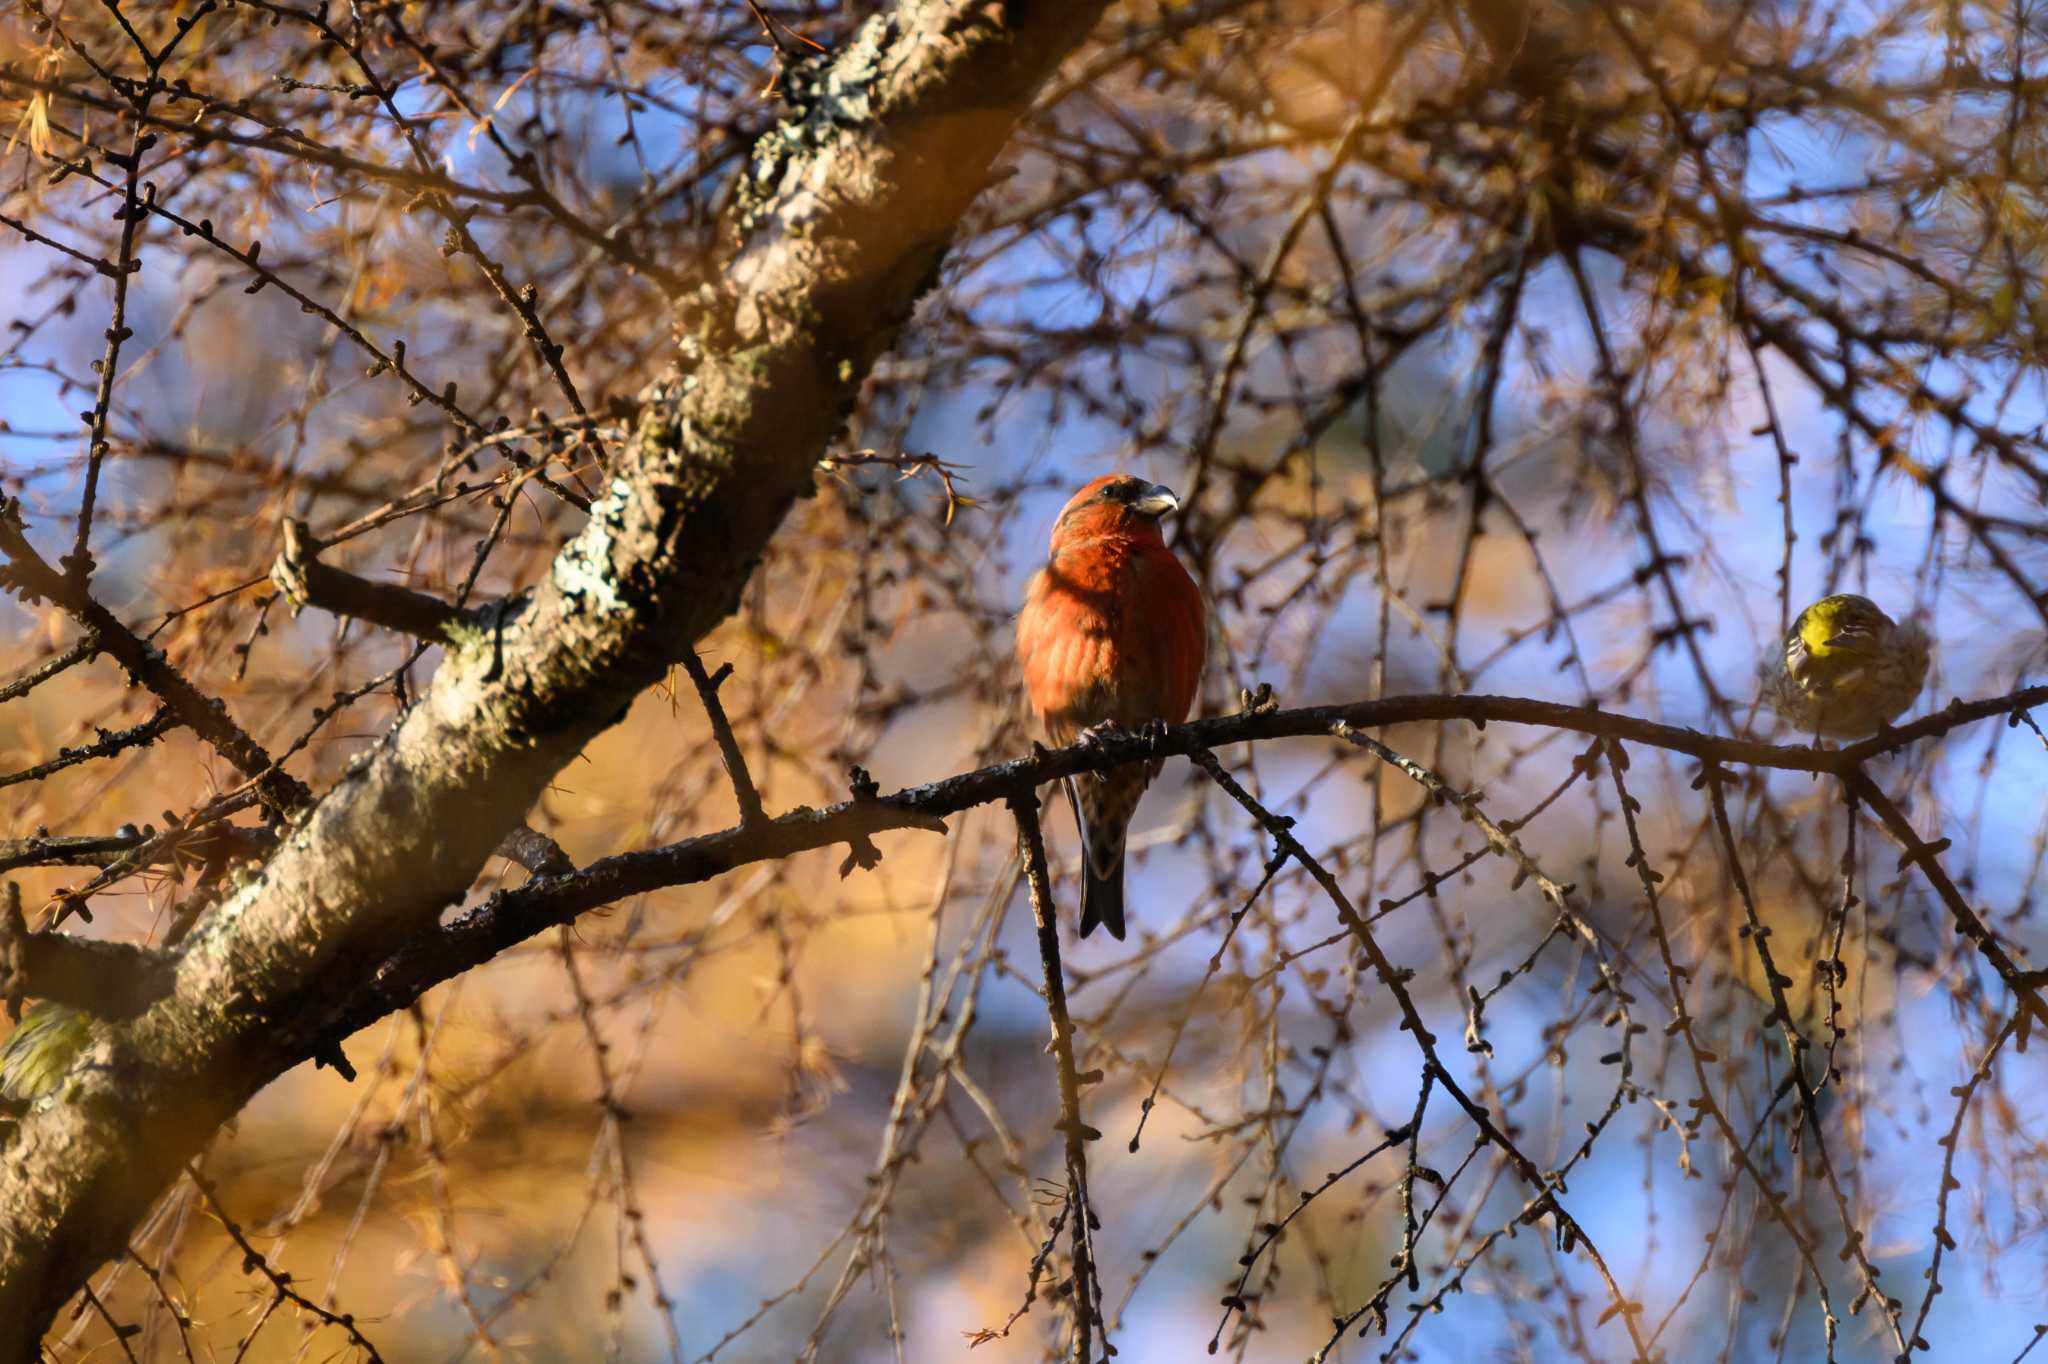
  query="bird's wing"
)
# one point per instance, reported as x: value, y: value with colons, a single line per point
x: 1044, y: 645
x: 1067, y: 650
x: 1164, y: 634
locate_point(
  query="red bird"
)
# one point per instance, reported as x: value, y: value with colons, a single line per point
x: 1112, y: 633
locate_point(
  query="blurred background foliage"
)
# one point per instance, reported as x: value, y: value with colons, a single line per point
x: 1559, y: 350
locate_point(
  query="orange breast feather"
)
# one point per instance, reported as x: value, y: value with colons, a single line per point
x: 1111, y: 629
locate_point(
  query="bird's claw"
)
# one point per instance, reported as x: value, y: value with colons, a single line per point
x: 1100, y: 733
x: 1154, y: 732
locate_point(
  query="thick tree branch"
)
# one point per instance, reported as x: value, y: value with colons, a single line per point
x: 109, y: 979
x: 840, y: 222
x: 510, y: 917
x: 834, y: 226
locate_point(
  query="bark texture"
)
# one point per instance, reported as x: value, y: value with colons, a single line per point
x: 848, y: 207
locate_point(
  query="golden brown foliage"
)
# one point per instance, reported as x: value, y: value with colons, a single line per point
x: 1557, y: 350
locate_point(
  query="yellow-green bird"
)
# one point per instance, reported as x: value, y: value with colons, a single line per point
x: 1846, y: 669
x: 41, y: 1050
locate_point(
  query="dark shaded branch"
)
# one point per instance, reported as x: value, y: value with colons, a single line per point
x: 305, y: 581
x: 143, y: 846
x: 14, y: 937
x: 109, y: 979
x: 511, y: 916
x: 112, y: 980
x: 1544, y: 1192
x: 536, y: 852
x: 253, y: 1262
x: 1797, y: 1045
x: 109, y: 742
x: 707, y: 685
x: 49, y: 668
x: 2025, y: 984
x: 28, y: 574
x: 1077, y: 1134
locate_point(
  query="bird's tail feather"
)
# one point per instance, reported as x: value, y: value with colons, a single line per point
x: 1102, y: 809
x: 1102, y: 901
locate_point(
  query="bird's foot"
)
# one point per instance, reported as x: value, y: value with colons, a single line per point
x: 1100, y: 733
x: 1154, y: 732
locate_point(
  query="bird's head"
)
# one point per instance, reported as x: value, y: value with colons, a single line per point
x: 1841, y: 627
x: 1116, y: 504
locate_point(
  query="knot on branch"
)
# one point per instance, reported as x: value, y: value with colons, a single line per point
x: 78, y: 566
x: 305, y: 581
x: 1924, y: 852
x: 70, y: 900
x: 862, y: 784
x: 329, y: 1054
x: 533, y: 850
x: 1711, y: 773
x: 861, y: 851
x: 289, y: 570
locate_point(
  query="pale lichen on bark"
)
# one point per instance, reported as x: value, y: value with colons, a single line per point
x: 583, y: 571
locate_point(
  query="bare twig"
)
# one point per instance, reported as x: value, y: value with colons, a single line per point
x: 1087, y: 1293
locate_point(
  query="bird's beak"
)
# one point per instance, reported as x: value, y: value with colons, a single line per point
x: 1155, y: 501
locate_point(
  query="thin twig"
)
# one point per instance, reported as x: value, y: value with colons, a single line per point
x: 1087, y: 1292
